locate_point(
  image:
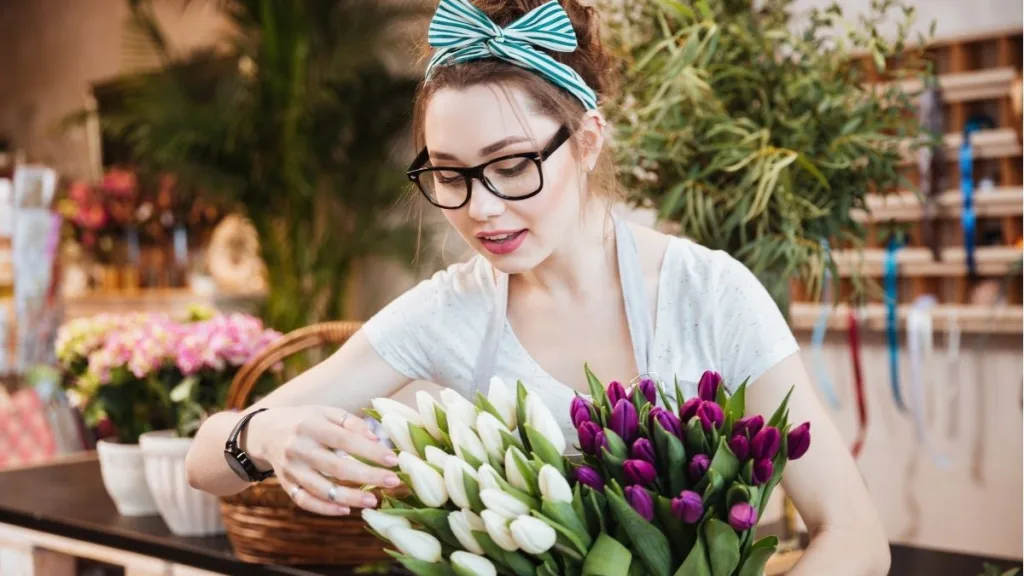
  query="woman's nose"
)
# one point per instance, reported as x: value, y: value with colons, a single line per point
x: 482, y: 204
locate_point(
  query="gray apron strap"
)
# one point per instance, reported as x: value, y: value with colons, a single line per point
x: 638, y: 316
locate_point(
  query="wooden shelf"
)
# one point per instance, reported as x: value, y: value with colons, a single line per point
x: 171, y: 301
x: 988, y: 144
x: 991, y: 261
x: 905, y: 206
x: 973, y: 319
x: 967, y: 86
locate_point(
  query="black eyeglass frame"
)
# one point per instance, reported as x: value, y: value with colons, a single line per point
x: 416, y: 169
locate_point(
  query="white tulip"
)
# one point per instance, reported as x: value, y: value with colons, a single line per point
x: 396, y: 427
x: 415, y: 544
x: 463, y: 523
x: 488, y: 477
x: 427, y: 483
x: 454, y: 480
x: 503, y: 399
x: 512, y: 472
x: 503, y: 503
x: 490, y: 429
x: 540, y: 419
x: 466, y: 441
x: 553, y: 486
x: 436, y: 456
x: 497, y: 528
x: 381, y: 522
x: 472, y: 564
x: 458, y: 408
x: 427, y: 405
x: 385, y: 406
x: 533, y: 535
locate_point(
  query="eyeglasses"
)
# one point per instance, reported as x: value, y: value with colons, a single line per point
x: 512, y: 177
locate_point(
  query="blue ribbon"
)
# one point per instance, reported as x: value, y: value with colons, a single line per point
x: 891, y: 300
x: 818, y: 335
x: 967, y: 216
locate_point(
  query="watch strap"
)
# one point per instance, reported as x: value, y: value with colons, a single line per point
x: 231, y: 447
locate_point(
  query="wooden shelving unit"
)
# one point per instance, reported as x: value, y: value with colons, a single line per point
x: 980, y: 77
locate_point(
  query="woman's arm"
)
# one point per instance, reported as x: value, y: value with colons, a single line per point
x: 847, y: 535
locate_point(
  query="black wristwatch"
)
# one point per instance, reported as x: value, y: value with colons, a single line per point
x: 237, y: 459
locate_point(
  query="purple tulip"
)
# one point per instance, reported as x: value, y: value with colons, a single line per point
x: 641, y: 501
x: 639, y: 472
x: 742, y: 516
x: 624, y: 420
x: 711, y: 415
x: 699, y: 465
x: 762, y: 472
x: 740, y: 446
x: 799, y: 440
x: 748, y: 426
x: 648, y: 389
x: 689, y: 409
x: 688, y: 507
x: 589, y: 477
x: 615, y: 393
x: 707, y: 388
x: 667, y: 420
x: 765, y: 444
x: 643, y: 449
x: 579, y: 411
x: 588, y: 433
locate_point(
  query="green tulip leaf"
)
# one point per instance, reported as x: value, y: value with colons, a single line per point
x: 739, y: 492
x: 526, y: 470
x: 543, y: 449
x: 509, y: 439
x: 680, y: 535
x: 580, y: 510
x: 421, y: 439
x: 696, y: 441
x: 696, y: 563
x: 473, y: 492
x: 672, y: 456
x: 615, y: 444
x: 517, y: 562
x: 442, y: 419
x: 372, y: 414
x: 421, y: 568
x: 665, y: 400
x: 433, y: 519
x: 562, y: 517
x: 723, y: 547
x: 758, y: 556
x: 725, y: 462
x: 521, y: 415
x: 597, y: 392
x: 594, y: 502
x: 737, y: 405
x: 780, y: 413
x: 608, y: 557
x: 648, y: 541
x: 679, y: 396
x: 485, y: 405
x: 709, y: 485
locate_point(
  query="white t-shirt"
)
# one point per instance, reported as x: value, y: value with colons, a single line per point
x: 712, y: 314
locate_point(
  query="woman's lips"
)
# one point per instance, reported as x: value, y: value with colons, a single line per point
x: 502, y: 241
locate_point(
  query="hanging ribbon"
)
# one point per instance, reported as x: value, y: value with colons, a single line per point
x: 818, y: 334
x: 853, y: 336
x: 931, y: 164
x: 891, y: 300
x: 920, y: 337
x: 952, y: 386
x: 967, y: 217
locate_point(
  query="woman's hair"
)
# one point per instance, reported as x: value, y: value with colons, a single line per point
x: 590, y: 60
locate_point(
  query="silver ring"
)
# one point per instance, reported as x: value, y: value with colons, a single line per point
x: 294, y: 492
x: 345, y: 419
x: 332, y: 493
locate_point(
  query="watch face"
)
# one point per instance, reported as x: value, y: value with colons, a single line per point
x: 236, y: 466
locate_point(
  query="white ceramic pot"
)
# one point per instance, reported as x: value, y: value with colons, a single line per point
x: 185, y: 510
x: 124, y: 477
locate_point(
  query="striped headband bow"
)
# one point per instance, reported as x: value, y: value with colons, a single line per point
x: 460, y: 32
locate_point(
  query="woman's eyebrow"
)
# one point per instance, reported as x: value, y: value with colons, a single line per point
x: 486, y: 150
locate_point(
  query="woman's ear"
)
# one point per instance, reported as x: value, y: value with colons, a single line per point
x: 591, y: 139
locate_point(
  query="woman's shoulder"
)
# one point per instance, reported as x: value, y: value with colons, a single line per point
x: 694, y: 265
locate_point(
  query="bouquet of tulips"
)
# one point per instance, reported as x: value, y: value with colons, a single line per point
x: 661, y: 490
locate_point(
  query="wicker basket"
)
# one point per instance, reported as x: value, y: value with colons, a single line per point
x: 262, y: 523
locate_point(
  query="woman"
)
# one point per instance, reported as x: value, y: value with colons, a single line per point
x: 514, y: 156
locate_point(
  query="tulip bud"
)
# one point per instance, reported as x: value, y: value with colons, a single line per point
x: 798, y: 440
x: 762, y: 472
x: 463, y: 523
x: 427, y: 483
x: 641, y: 501
x: 533, y: 535
x: 615, y: 393
x: 458, y: 408
x: 466, y: 441
x: 490, y: 428
x: 689, y: 409
x: 668, y: 421
x: 455, y: 482
x: 540, y: 419
x: 648, y: 389
x: 688, y: 507
x: 711, y: 415
x: 466, y: 564
x: 512, y: 472
x: 553, y: 486
x: 588, y: 435
x: 765, y: 444
x: 396, y: 426
x: 436, y: 456
x: 740, y: 447
x: 589, y: 477
x: 488, y: 477
x: 579, y: 411
x: 643, y: 449
x: 699, y: 465
x: 504, y: 401
x: 624, y: 420
x: 742, y: 516
x: 381, y: 522
x: 385, y: 406
x: 497, y: 528
x: 415, y: 544
x: 503, y: 503
x: 748, y: 426
x: 639, y: 472
x: 428, y: 414
x: 707, y: 388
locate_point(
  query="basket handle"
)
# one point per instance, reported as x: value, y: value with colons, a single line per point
x: 295, y: 341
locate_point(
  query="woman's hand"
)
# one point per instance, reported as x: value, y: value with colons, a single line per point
x: 302, y: 444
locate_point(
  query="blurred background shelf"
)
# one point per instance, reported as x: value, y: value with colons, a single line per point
x: 170, y: 301
x: 912, y: 261
x: 970, y: 319
x: 906, y: 207
x: 967, y: 86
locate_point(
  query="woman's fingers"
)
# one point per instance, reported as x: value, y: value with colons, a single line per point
x: 350, y: 470
x: 329, y: 434
x: 317, y: 491
x: 305, y: 499
x: 350, y: 422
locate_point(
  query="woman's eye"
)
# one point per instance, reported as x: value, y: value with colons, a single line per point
x: 512, y: 167
x: 447, y: 177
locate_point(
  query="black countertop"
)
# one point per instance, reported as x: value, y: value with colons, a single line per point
x: 68, y: 499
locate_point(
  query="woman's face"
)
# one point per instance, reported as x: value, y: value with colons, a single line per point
x: 467, y: 127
